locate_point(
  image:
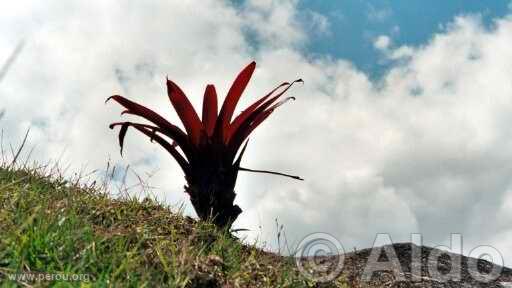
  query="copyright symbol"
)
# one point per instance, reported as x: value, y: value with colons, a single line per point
x: 320, y: 257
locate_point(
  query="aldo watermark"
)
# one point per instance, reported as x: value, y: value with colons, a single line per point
x: 320, y: 257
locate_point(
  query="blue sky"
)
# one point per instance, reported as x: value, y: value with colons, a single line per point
x: 354, y: 24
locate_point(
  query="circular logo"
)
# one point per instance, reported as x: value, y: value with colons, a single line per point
x: 320, y: 257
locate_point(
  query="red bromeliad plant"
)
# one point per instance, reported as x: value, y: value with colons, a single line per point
x: 209, y: 145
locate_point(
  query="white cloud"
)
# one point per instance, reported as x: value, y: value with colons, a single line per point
x: 318, y: 22
x: 401, y: 52
x: 274, y: 23
x: 384, y: 45
x: 426, y: 149
x: 382, y: 42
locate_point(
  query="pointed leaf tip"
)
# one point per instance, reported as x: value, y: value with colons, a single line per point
x: 122, y: 134
x: 209, y: 116
x: 185, y: 111
x: 108, y: 99
x: 231, y: 100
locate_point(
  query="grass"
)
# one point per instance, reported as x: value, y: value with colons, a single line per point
x: 49, y: 225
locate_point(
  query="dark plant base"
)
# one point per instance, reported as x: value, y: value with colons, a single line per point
x: 214, y: 205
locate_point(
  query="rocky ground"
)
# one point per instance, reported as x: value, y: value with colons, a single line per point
x: 423, y: 273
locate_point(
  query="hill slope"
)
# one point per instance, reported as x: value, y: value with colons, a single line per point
x: 52, y: 230
x: 51, y: 226
x: 355, y: 263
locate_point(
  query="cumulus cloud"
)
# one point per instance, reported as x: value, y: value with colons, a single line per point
x: 319, y: 23
x: 427, y: 148
x: 401, y: 52
x: 273, y: 23
x: 382, y: 42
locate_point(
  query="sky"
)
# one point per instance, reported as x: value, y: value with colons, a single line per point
x: 402, y: 125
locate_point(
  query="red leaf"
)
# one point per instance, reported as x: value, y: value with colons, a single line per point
x: 234, y: 94
x: 168, y: 129
x: 249, y: 110
x: 185, y: 111
x: 150, y: 131
x: 122, y: 134
x: 174, y: 153
x: 261, y: 117
x: 237, y: 130
x: 209, y: 109
x: 124, y: 129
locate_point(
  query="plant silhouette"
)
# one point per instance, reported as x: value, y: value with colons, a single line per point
x: 210, y: 145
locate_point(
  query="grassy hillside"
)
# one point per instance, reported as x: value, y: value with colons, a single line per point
x: 48, y: 225
x: 51, y: 229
